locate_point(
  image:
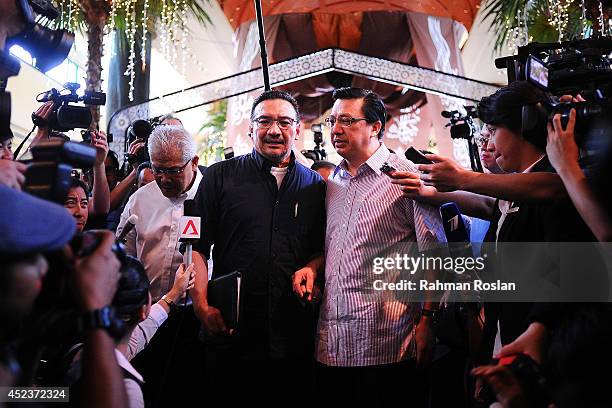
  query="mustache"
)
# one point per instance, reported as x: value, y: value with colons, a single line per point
x: 274, y: 140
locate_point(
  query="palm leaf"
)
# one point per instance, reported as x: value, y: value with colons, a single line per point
x: 502, y: 15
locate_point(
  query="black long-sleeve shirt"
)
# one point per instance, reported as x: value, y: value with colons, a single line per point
x: 267, y: 233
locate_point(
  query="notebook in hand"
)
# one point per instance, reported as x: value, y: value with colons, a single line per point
x: 224, y: 294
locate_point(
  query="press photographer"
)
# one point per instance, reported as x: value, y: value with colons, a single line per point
x: 49, y: 174
x: 579, y: 142
x: 30, y: 226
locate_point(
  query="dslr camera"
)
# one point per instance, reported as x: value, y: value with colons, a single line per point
x: 139, y: 129
x: 318, y: 153
x: 49, y: 172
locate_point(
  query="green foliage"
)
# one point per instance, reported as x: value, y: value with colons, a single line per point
x: 503, y: 17
x: 212, y: 134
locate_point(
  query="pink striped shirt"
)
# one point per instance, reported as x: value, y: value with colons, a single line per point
x: 363, y: 212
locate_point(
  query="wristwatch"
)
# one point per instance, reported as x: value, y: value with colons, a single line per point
x: 104, y: 318
x: 169, y: 302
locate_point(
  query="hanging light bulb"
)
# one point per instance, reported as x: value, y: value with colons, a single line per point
x: 602, y: 24
x: 143, y: 50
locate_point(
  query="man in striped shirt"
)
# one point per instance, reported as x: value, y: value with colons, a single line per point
x: 371, y: 346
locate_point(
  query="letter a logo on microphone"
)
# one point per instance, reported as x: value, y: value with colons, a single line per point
x: 190, y: 227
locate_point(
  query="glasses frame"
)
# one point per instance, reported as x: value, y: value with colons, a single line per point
x: 272, y: 121
x: 351, y: 120
x: 169, y: 172
x: 481, y: 139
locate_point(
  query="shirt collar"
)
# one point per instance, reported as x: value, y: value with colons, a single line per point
x: 191, y: 193
x: 528, y: 169
x: 125, y: 364
x: 265, y: 164
x: 375, y: 162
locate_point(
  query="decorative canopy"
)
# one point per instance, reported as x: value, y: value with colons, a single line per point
x: 462, y: 11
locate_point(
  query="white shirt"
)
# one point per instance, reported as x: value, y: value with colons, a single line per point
x: 132, y: 388
x: 155, y: 238
x: 145, y: 330
x: 279, y: 173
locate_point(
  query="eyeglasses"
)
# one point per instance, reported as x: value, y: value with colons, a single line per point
x: 266, y: 123
x: 483, y: 139
x: 344, y: 121
x: 158, y: 171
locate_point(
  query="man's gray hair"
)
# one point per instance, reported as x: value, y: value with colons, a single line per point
x: 169, y: 140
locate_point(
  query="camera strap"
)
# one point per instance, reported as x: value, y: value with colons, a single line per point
x: 25, y: 139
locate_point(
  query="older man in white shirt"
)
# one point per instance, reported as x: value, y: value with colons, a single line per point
x: 155, y: 242
x: 159, y: 206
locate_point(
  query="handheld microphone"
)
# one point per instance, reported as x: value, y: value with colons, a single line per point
x: 459, y: 245
x: 457, y: 236
x: 190, y: 229
x: 190, y: 232
x: 127, y: 228
x: 454, y: 227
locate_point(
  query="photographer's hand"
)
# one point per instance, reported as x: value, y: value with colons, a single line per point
x: 136, y: 146
x: 100, y: 195
x: 43, y: 112
x: 98, y: 140
x: 96, y: 276
x: 445, y: 174
x: 561, y: 146
x: 12, y: 174
x: 125, y: 186
x: 563, y: 152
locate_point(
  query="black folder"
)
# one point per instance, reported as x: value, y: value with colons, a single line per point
x: 224, y: 294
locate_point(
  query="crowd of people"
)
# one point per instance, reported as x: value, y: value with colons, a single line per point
x: 145, y: 333
x: 128, y: 322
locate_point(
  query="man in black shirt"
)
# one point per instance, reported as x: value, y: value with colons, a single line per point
x: 265, y: 215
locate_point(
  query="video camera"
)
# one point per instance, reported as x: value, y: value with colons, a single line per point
x: 64, y: 116
x: 462, y: 126
x: 318, y: 153
x: 567, y: 68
